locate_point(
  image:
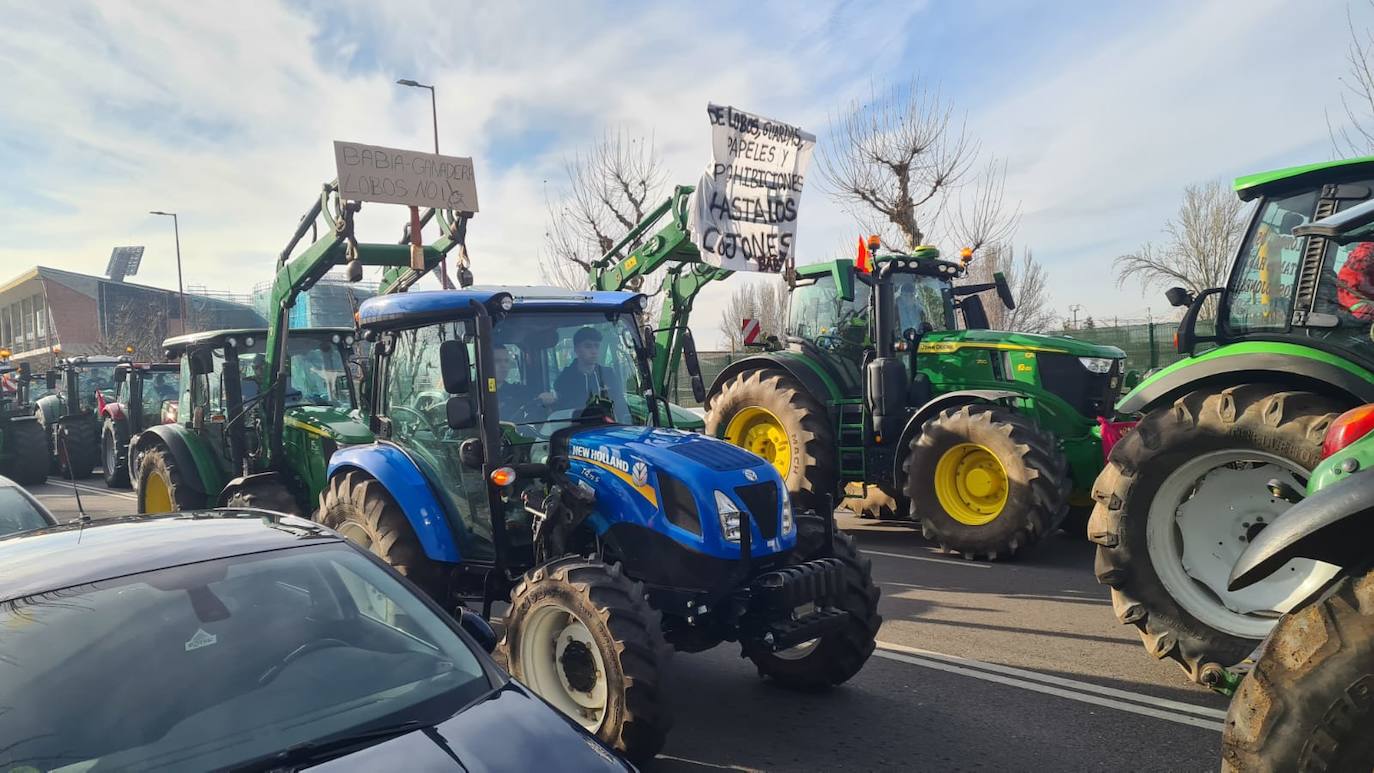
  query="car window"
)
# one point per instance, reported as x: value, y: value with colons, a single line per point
x: 18, y: 514
x: 227, y: 661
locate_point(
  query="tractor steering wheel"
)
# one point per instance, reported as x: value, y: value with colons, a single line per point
x: 427, y: 400
x: 421, y: 419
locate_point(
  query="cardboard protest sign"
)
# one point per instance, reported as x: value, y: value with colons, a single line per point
x: 392, y: 176
x: 744, y: 213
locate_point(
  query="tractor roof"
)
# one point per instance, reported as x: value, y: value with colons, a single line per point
x: 398, y: 309
x: 1254, y: 185
x: 215, y: 336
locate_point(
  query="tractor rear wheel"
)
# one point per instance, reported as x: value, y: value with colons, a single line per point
x: 1179, y: 500
x: 836, y: 657
x: 162, y: 486
x: 114, y: 446
x: 769, y: 413
x: 27, y: 448
x: 1309, y: 702
x: 78, y: 452
x: 985, y: 481
x: 359, y: 507
x: 584, y: 638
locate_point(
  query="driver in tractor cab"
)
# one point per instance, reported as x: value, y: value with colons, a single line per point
x: 514, y: 397
x: 586, y: 379
x: 911, y: 312
x: 1355, y: 283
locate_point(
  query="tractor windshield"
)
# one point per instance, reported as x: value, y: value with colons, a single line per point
x: 160, y: 391
x: 924, y: 303
x: 551, y: 367
x: 318, y: 373
x: 1267, y: 267
x: 93, y: 378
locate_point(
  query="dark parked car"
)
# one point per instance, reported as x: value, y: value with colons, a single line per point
x: 19, y: 511
x: 250, y: 640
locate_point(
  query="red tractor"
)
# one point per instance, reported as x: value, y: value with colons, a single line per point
x: 146, y: 394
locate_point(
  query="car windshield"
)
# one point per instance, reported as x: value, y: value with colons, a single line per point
x: 221, y: 663
x: 17, y: 513
x: 924, y: 303
x: 318, y: 373
x: 93, y: 378
x: 549, y: 367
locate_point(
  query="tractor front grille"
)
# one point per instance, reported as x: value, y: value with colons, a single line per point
x: 1091, y: 394
x: 762, y: 501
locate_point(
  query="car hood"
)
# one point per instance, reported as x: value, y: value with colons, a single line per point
x: 510, y: 729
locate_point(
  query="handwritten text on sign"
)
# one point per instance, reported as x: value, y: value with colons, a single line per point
x: 744, y: 216
x: 391, y: 176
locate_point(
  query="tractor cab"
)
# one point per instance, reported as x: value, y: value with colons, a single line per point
x: 81, y: 382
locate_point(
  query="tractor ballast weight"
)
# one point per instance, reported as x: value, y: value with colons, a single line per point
x: 23, y: 444
x: 1180, y: 497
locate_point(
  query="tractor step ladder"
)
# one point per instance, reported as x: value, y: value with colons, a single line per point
x: 851, y: 439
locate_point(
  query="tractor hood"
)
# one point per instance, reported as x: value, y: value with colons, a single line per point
x: 935, y: 343
x: 328, y: 421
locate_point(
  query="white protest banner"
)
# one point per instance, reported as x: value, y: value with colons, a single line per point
x: 391, y: 176
x: 744, y: 213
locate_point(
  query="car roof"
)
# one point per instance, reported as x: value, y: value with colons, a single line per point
x: 33, y: 500
x: 402, y: 309
x: 76, y: 553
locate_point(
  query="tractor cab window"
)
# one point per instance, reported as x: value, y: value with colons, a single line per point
x: 93, y: 378
x: 160, y: 391
x: 415, y: 404
x: 1267, y: 267
x: 923, y: 303
x: 319, y: 375
x: 817, y: 313
x: 1345, y: 293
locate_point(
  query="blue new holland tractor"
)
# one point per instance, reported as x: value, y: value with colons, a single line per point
x: 522, y: 456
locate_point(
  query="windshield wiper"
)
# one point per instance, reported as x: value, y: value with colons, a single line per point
x: 328, y: 748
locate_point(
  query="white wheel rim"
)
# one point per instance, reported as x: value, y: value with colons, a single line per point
x: 560, y: 661
x: 111, y: 458
x: 1202, y: 519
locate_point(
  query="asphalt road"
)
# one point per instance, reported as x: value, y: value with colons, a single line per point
x: 1015, y: 666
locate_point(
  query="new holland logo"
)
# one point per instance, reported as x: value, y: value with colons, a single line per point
x: 640, y: 473
x: 750, y: 475
x: 609, y: 457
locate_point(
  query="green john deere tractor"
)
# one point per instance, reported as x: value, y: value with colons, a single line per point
x: 261, y: 411
x: 1185, y: 492
x: 986, y: 438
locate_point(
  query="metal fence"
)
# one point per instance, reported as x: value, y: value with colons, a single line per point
x: 1147, y: 345
x: 712, y: 363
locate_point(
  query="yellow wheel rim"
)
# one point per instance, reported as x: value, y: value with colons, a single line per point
x: 157, y: 497
x: 757, y: 430
x: 971, y: 484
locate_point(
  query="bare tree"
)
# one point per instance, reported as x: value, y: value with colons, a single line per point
x: 610, y: 188
x: 1356, y: 137
x: 1202, y: 239
x: 895, y: 159
x: 136, y: 320
x: 765, y: 301
x: 1029, y: 286
x: 982, y: 219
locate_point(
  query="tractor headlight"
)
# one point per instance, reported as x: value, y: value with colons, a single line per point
x: 1098, y: 365
x: 788, y: 524
x: 729, y: 516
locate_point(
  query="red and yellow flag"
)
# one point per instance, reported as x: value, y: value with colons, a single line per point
x: 864, y: 261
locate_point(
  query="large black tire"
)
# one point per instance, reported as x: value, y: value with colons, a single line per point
x: 1252, y: 417
x: 27, y: 445
x: 629, y: 641
x: 77, y: 453
x: 839, y: 655
x: 1308, y: 704
x: 163, y: 485
x: 268, y: 496
x: 114, y: 451
x: 813, y: 470
x: 361, y: 509
x: 1036, y: 471
x: 879, y: 502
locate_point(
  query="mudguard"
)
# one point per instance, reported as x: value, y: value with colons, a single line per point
x: 930, y: 409
x: 391, y: 467
x: 187, y: 450
x: 51, y: 407
x: 1335, y: 525
x: 112, y: 410
x: 1238, y: 363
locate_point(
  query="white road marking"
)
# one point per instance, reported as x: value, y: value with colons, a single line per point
x: 1135, y: 703
x: 1074, y: 599
x: 945, y: 561
x: 92, y: 489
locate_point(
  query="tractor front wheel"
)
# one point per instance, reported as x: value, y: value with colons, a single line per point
x: 78, y: 451
x: 1178, y: 502
x: 357, y: 506
x: 27, y: 448
x: 163, y: 486
x: 583, y: 637
x: 114, y: 445
x: 771, y: 414
x: 985, y: 481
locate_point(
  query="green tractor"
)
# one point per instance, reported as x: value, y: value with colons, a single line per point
x: 261, y: 411
x: 1184, y: 493
x: 986, y: 438
x: 21, y: 437
x: 70, y: 415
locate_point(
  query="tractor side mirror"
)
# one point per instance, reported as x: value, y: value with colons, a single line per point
x: 473, y: 625
x: 650, y: 341
x: 1178, y: 296
x: 975, y: 316
x: 25, y: 372
x: 50, y: 379
x: 689, y: 356
x: 341, y: 384
x: 120, y: 375
x: 456, y: 368
x: 459, y: 412
x: 1004, y: 290
x: 470, y: 453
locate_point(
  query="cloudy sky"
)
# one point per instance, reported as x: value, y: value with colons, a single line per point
x: 1102, y: 112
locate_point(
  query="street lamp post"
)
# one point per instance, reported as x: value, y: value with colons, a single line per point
x: 181, y: 290
x: 434, y: 117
